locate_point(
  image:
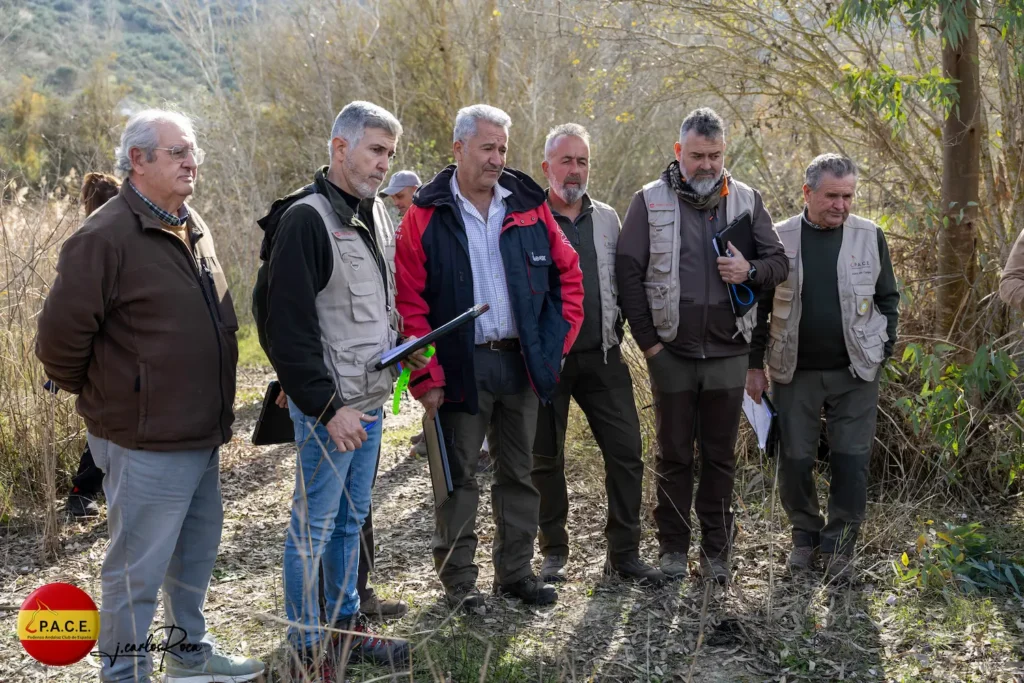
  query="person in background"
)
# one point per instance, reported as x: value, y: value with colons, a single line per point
x: 833, y: 325
x: 87, y: 484
x: 482, y: 233
x: 139, y: 323
x: 594, y: 375
x: 1011, y: 282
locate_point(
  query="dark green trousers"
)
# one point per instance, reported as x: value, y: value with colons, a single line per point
x: 851, y: 407
x: 604, y: 391
x: 508, y: 416
x: 696, y: 400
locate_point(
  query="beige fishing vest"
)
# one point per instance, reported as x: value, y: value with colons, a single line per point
x: 662, y: 284
x: 606, y: 236
x: 358, y: 319
x: 863, y: 324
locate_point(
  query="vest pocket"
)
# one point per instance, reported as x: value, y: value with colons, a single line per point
x: 350, y: 362
x: 776, y: 346
x: 657, y: 301
x: 864, y: 298
x: 365, y: 306
x: 782, y: 305
x: 871, y: 343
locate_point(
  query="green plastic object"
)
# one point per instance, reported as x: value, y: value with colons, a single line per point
x: 403, y: 381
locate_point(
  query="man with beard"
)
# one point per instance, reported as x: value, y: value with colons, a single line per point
x: 324, y: 303
x: 594, y: 374
x: 482, y: 233
x: 676, y: 294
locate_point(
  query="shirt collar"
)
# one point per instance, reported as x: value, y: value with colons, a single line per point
x: 163, y: 216
x: 500, y: 192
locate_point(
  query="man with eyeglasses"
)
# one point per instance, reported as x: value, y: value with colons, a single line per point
x: 140, y: 325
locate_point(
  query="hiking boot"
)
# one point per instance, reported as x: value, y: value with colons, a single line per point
x: 466, y: 596
x: 367, y: 647
x: 553, y: 569
x: 635, y: 569
x: 714, y: 569
x: 311, y: 667
x: 373, y: 606
x: 674, y: 565
x: 802, y: 558
x: 217, y: 669
x: 529, y: 589
x: 838, y: 566
x: 82, y: 507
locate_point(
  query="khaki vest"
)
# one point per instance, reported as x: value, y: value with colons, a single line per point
x: 606, y: 236
x: 662, y: 284
x: 863, y: 324
x: 358, y: 319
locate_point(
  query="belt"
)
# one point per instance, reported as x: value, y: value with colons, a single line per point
x: 501, y: 345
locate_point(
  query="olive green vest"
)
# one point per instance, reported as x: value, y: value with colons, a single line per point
x: 606, y: 237
x: 662, y: 283
x: 357, y: 317
x: 863, y: 324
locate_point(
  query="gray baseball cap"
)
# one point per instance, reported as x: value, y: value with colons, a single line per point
x: 400, y: 181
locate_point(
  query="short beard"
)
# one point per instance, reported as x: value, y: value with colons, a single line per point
x: 704, y: 186
x: 364, y: 188
x: 571, y: 195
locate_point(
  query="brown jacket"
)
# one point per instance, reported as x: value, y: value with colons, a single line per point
x: 1011, y: 284
x: 142, y: 331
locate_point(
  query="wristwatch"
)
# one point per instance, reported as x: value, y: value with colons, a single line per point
x: 752, y: 273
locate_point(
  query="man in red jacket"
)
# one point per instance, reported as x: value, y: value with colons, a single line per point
x: 482, y: 233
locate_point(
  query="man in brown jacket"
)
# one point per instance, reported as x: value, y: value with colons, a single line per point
x: 140, y: 325
x: 675, y: 291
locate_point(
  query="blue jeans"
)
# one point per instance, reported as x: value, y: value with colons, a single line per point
x: 330, y: 503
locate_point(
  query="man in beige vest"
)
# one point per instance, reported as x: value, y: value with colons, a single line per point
x: 682, y: 300
x: 833, y: 324
x: 594, y: 374
x: 325, y: 304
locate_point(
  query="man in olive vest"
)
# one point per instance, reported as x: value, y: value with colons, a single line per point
x: 325, y: 304
x: 682, y: 298
x: 833, y: 324
x: 594, y: 374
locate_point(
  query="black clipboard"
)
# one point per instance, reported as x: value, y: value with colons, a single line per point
x: 741, y: 233
x: 437, y: 460
x: 403, y: 351
x: 274, y: 425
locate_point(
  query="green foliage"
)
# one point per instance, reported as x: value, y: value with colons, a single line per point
x: 945, y: 405
x: 959, y: 559
x: 885, y: 90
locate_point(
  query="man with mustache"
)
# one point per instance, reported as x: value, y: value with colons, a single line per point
x: 833, y: 325
x: 324, y: 304
x: 676, y: 293
x: 482, y: 233
x: 594, y: 374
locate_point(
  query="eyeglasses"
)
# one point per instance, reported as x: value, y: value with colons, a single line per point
x: 180, y: 153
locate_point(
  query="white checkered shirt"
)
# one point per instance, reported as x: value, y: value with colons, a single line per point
x: 489, y: 284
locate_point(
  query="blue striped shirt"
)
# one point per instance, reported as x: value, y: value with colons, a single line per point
x: 489, y: 283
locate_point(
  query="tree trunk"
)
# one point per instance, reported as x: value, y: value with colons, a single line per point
x: 960, y: 171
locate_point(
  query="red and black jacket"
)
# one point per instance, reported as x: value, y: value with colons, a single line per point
x: 435, y: 284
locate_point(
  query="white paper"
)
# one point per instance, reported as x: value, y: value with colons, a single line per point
x: 759, y: 417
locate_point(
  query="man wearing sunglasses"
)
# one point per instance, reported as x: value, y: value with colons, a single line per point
x: 140, y: 324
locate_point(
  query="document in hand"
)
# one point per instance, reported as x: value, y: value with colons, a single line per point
x: 437, y: 460
x: 400, y: 353
x: 760, y: 416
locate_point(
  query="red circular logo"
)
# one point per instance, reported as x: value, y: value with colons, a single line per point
x: 58, y: 624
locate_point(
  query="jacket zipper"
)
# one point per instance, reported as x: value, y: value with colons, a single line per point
x: 214, y: 318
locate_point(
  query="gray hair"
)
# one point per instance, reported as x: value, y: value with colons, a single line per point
x: 836, y: 164
x: 561, y: 131
x: 356, y: 117
x: 706, y: 122
x: 141, y: 133
x: 465, y: 120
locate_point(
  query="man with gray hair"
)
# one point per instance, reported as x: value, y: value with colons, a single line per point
x: 140, y: 325
x: 482, y: 233
x: 324, y: 307
x: 833, y: 325
x: 594, y: 374
x: 696, y: 248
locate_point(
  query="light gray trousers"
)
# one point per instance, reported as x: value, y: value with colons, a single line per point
x: 164, y: 517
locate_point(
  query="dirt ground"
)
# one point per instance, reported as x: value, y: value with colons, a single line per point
x: 765, y: 627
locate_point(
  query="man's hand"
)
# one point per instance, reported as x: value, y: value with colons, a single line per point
x: 416, y: 361
x: 432, y: 400
x: 733, y: 269
x: 281, y: 400
x: 346, y: 430
x: 654, y: 350
x: 757, y: 384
